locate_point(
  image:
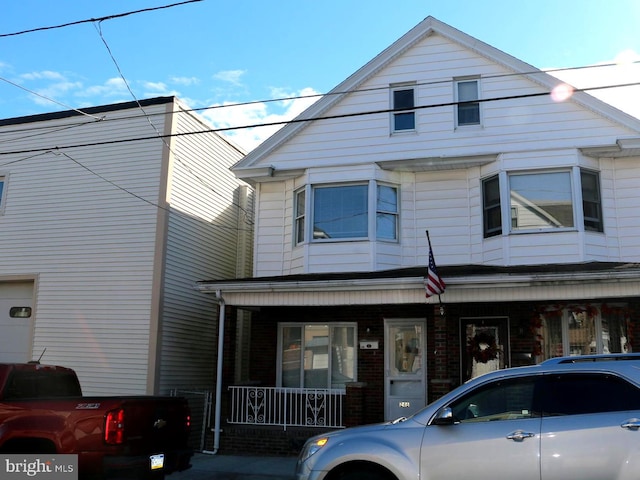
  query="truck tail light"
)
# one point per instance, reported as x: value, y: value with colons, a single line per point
x: 188, y: 422
x: 114, y: 427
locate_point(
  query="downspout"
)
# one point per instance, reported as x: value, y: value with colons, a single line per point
x: 216, y: 425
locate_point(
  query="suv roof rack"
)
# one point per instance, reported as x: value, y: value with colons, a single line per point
x: 592, y: 358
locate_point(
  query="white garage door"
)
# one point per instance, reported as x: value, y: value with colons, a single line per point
x: 16, y: 321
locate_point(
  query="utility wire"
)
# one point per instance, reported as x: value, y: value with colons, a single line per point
x: 317, y: 95
x: 129, y: 192
x: 312, y: 119
x: 48, y: 99
x: 99, y: 19
x: 159, y: 135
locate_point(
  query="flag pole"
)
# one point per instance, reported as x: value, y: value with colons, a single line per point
x: 431, y: 250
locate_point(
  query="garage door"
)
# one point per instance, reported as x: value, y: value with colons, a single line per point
x: 16, y: 321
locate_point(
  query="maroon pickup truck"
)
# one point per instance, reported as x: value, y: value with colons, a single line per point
x: 42, y: 411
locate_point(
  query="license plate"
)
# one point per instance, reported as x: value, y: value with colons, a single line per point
x: 157, y: 461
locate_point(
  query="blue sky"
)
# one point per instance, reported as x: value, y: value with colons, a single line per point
x: 217, y: 52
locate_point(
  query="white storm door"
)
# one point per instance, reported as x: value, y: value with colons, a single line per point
x: 405, y: 369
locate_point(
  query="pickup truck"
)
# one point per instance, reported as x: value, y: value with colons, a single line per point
x: 42, y: 411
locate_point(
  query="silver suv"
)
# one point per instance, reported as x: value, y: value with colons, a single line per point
x: 566, y: 418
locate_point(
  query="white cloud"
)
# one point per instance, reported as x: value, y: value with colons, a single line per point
x: 43, y: 75
x: 228, y: 115
x: 624, y: 69
x: 230, y: 76
x: 112, y: 87
x: 185, y: 81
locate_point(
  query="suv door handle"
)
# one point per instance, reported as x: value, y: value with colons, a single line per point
x: 520, y: 435
x: 631, y: 424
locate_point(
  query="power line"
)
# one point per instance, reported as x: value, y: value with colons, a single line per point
x: 139, y: 197
x: 99, y: 19
x: 342, y: 92
x: 158, y: 134
x: 47, y: 98
x: 317, y: 95
x: 311, y: 119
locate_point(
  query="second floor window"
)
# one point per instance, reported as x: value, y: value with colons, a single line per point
x: 340, y: 212
x: 541, y: 201
x: 591, y: 204
x: 299, y: 224
x: 468, y: 107
x: 1, y: 193
x: 352, y: 211
x: 403, y: 99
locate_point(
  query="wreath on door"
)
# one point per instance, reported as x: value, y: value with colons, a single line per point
x: 483, y: 347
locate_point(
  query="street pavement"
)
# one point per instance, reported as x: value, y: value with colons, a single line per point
x: 237, y: 467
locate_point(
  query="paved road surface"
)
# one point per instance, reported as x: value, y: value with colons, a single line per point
x: 231, y: 467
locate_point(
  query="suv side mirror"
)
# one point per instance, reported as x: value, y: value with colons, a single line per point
x: 445, y: 416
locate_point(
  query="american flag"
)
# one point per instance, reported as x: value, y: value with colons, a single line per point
x: 433, y: 284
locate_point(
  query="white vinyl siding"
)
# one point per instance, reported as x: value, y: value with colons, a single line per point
x: 86, y: 222
x: 209, y: 225
x: 516, y: 135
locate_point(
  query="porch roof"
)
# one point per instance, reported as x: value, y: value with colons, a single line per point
x: 465, y: 284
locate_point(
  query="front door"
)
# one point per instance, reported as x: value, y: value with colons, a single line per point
x: 484, y: 345
x: 405, y: 370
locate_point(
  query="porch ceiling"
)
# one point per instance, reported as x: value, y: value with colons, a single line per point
x: 465, y: 284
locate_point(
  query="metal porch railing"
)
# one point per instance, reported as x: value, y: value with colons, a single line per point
x: 286, y: 407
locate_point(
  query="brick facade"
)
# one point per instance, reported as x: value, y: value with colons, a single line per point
x: 365, y: 402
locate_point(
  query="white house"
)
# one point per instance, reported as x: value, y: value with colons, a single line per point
x: 531, y: 206
x: 107, y: 219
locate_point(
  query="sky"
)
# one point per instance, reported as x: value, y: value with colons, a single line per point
x: 213, y: 53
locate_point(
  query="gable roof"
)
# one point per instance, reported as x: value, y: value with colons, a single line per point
x: 250, y: 165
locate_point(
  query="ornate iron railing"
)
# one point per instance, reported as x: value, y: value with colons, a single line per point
x: 303, y: 407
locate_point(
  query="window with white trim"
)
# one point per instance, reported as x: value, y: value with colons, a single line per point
x: 491, y: 206
x: 591, y: 202
x: 582, y: 330
x: 300, y: 208
x: 467, y: 105
x: 316, y: 355
x: 403, y: 98
x: 542, y: 201
x: 2, y: 180
x: 386, y: 213
x: 348, y: 212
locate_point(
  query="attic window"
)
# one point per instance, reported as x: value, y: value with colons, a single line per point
x: 403, y: 99
x: 468, y: 107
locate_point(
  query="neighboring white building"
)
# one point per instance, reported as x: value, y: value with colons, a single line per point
x: 107, y: 219
x: 531, y: 205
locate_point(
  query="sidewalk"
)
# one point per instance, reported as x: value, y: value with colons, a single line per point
x: 236, y: 467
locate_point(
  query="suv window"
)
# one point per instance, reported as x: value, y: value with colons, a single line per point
x: 502, y: 400
x: 578, y: 394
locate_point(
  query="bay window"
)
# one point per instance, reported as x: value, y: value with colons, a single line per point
x: 542, y: 201
x: 316, y: 355
x: 354, y: 211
